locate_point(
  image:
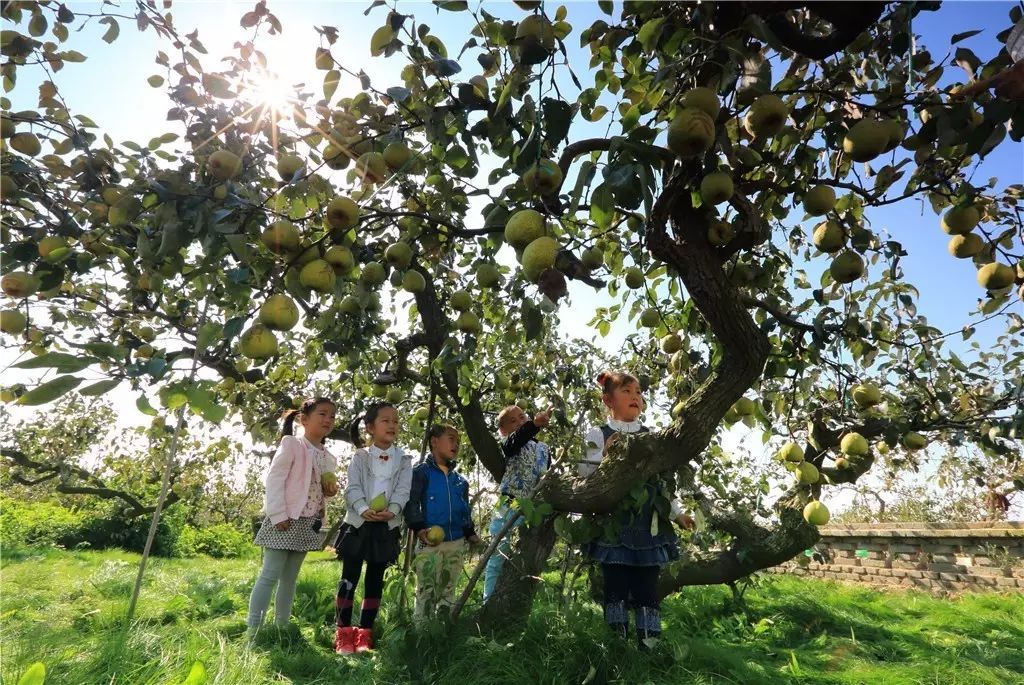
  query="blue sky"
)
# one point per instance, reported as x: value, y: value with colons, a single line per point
x: 111, y: 89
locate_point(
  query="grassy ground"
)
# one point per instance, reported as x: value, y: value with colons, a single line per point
x: 64, y: 609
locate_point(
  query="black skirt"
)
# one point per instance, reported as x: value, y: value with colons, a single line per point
x: 372, y: 542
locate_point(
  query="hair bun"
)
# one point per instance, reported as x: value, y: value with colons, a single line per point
x: 602, y: 378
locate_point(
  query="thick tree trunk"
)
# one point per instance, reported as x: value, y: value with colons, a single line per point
x: 509, y: 607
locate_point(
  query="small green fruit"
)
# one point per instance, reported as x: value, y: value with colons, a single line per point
x: 399, y: 255
x: 792, y: 453
x: 847, y: 267
x: 995, y: 276
x: 413, y: 282
x: 378, y: 503
x: 716, y: 187
x: 965, y: 246
x: 767, y: 117
x: 960, y: 220
x: 224, y: 165
x: 691, y: 132
x: 704, y: 99
x: 819, y: 200
x: 853, y: 445
x: 816, y: 513
x: 866, y: 395
x: 914, y: 441
x: 460, y: 300
x: 524, y: 227
x: 829, y: 237
x: 259, y: 342
x: 806, y: 473
x: 671, y: 343
x: 634, y: 278
x: 744, y: 406
x: 318, y: 275
x: 12, y: 321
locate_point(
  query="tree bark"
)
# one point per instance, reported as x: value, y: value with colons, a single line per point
x: 509, y: 607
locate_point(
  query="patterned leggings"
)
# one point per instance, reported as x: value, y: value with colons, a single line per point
x: 373, y: 588
x: 635, y: 586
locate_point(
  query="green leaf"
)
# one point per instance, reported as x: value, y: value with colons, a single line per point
x: 63, y: 362
x: 72, y: 56
x: 607, y: 6
x: 33, y: 675
x: 204, y: 403
x: 101, y: 388
x: 602, y: 206
x: 506, y: 92
x: 957, y: 37
x: 196, y: 675
x: 113, y: 31
x: 380, y: 39
x: 557, y: 119
x: 331, y: 80
x: 143, y: 405
x: 49, y: 391
x: 650, y: 32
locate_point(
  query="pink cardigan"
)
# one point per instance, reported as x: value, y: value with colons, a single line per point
x: 288, y: 479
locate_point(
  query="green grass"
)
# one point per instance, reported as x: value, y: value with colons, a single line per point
x: 65, y: 609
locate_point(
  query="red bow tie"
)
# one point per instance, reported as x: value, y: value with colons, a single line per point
x: 383, y: 456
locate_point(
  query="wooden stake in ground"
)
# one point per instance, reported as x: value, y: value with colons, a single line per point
x: 172, y: 456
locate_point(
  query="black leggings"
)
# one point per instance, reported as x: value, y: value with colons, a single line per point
x: 373, y: 588
x: 636, y: 587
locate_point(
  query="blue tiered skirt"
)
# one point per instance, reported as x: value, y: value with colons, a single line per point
x: 634, y: 545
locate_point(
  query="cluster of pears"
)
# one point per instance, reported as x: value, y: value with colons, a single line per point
x: 830, y: 237
x: 959, y: 223
x: 527, y: 232
x: 316, y: 271
x: 791, y: 454
x: 691, y: 134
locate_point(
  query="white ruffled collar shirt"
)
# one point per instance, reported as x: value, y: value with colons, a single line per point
x: 383, y: 464
x: 634, y: 426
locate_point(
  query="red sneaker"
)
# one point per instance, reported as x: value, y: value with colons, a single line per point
x: 345, y: 640
x: 364, y: 639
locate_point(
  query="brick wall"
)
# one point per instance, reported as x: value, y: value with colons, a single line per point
x: 941, y: 557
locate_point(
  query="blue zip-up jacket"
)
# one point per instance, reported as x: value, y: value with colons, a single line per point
x: 437, y: 499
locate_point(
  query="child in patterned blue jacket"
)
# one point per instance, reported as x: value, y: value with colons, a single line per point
x: 526, y: 460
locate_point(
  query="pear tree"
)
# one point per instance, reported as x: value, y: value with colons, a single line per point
x: 712, y: 173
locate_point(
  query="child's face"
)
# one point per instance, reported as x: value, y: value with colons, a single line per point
x: 384, y: 429
x: 625, y: 402
x: 445, y: 446
x: 513, y: 420
x: 320, y: 422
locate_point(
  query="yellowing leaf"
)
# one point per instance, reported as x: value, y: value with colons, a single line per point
x: 381, y: 37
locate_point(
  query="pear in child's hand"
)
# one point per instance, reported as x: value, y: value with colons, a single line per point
x: 379, y: 503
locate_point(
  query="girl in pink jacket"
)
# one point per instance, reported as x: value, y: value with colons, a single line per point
x: 302, y: 477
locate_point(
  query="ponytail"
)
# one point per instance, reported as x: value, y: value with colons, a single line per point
x: 354, y: 433
x: 289, y: 422
x: 288, y: 428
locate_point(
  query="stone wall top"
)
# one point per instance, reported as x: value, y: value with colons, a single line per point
x: 971, y: 529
